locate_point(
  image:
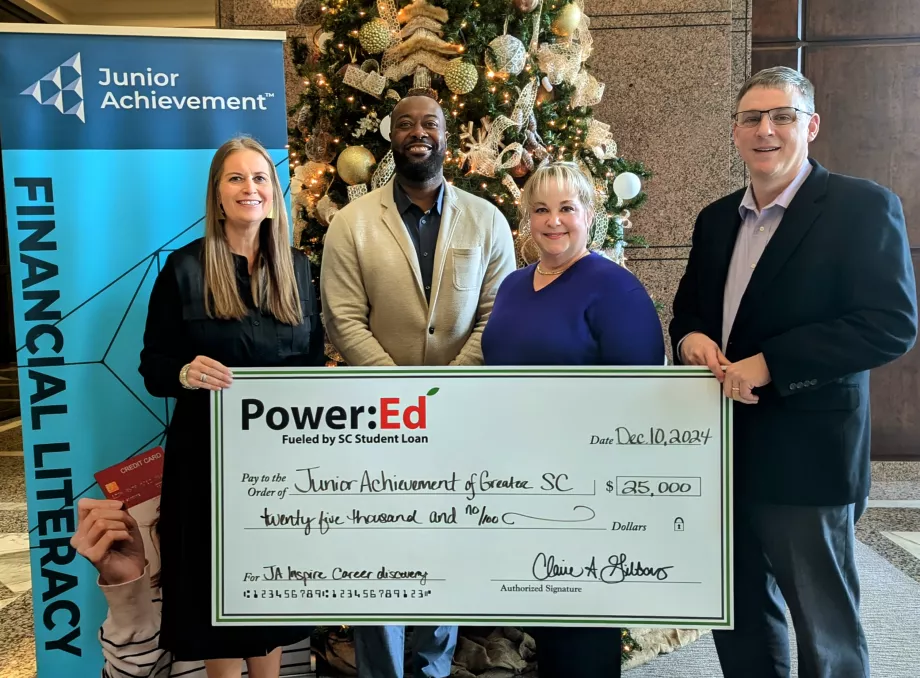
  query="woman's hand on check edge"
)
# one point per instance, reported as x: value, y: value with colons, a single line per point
x: 204, y: 372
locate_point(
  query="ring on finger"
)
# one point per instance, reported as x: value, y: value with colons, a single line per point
x: 204, y: 378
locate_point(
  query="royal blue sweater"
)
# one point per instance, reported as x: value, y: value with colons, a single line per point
x: 595, y: 313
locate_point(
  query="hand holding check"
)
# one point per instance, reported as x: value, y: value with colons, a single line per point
x: 738, y: 379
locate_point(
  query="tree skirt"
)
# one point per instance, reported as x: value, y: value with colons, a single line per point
x: 509, y: 652
x: 659, y: 641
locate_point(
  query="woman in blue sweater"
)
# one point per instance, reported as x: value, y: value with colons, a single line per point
x: 572, y: 307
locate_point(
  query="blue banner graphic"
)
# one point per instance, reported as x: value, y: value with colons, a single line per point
x: 106, y: 142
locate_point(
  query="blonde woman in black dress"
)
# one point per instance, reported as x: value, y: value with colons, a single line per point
x: 240, y: 296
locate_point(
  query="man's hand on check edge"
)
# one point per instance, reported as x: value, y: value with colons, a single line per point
x: 743, y: 376
x: 698, y: 349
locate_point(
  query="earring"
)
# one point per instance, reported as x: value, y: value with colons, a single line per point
x: 271, y: 212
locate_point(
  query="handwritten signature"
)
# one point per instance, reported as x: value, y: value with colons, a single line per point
x: 618, y: 569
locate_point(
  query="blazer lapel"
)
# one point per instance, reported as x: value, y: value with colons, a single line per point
x: 394, y: 222
x: 802, y: 212
x: 450, y: 214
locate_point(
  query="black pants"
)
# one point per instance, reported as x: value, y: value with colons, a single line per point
x: 803, y: 557
x: 577, y: 652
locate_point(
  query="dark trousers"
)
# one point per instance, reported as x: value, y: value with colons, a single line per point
x: 802, y: 556
x: 566, y: 652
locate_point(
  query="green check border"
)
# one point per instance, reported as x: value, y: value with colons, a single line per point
x: 219, y: 617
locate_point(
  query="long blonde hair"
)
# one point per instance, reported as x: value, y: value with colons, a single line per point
x: 274, y: 284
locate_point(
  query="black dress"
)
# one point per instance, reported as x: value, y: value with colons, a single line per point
x: 177, y: 330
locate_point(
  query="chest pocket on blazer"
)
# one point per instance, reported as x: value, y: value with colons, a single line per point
x: 466, y: 264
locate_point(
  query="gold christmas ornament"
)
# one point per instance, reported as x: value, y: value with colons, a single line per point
x: 506, y: 55
x: 460, y: 76
x: 566, y: 21
x: 526, y: 6
x: 375, y: 36
x: 354, y: 165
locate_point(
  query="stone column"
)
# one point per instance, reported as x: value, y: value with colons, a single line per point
x: 672, y: 68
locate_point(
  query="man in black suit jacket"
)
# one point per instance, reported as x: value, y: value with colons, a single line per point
x: 794, y: 289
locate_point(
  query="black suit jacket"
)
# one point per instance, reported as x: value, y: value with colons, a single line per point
x: 832, y: 297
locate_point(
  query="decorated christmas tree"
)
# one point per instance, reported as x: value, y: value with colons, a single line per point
x: 512, y: 78
x: 513, y: 82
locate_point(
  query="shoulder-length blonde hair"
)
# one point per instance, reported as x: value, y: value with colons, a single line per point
x: 274, y: 285
x: 566, y: 176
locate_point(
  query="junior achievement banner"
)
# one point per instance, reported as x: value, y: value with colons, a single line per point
x: 588, y: 496
x: 107, y: 135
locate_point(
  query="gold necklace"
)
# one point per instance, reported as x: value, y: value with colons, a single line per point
x: 561, y: 270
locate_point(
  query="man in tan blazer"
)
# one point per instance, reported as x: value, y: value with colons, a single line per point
x: 409, y: 275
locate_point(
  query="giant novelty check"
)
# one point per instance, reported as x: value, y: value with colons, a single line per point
x: 586, y: 496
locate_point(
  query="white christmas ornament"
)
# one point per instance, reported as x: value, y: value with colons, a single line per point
x: 385, y: 128
x: 627, y: 185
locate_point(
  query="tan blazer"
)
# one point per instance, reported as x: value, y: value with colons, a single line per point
x: 374, y: 307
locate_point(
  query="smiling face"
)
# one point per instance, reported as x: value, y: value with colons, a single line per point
x: 418, y: 137
x: 245, y: 188
x: 559, y: 222
x: 773, y: 152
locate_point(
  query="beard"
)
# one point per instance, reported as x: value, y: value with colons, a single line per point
x: 420, y: 170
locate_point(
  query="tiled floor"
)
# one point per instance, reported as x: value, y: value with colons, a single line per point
x: 890, y: 526
x: 17, y: 645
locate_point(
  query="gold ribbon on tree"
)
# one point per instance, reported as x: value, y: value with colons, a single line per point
x: 387, y: 11
x: 369, y: 80
x: 560, y: 61
x: 600, y: 140
x: 486, y: 157
x: 588, y: 91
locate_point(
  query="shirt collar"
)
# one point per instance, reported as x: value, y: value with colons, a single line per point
x: 404, y: 202
x: 748, y: 204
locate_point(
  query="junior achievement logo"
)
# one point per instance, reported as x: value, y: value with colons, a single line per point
x: 142, y: 89
x: 62, y: 88
x: 391, y: 414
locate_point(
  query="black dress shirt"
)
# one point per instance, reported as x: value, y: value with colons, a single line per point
x: 423, y: 228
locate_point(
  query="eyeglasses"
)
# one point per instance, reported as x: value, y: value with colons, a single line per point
x: 785, y: 115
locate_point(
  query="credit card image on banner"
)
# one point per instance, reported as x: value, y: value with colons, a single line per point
x: 135, y: 480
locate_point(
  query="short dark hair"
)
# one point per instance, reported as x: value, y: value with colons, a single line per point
x: 422, y: 92
x: 781, y: 77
